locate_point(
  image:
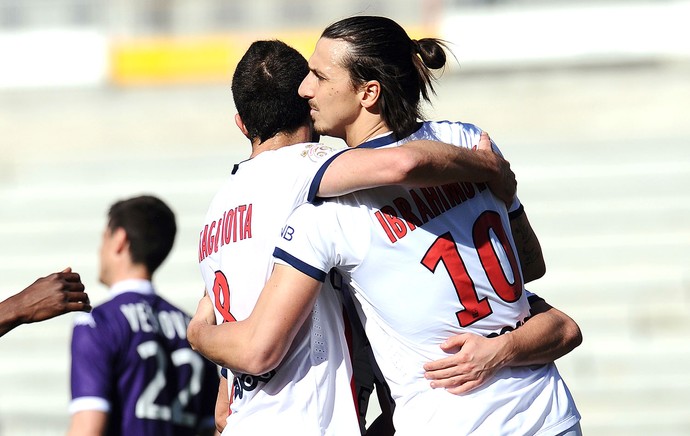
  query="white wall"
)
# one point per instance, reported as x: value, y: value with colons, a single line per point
x: 613, y: 32
x: 53, y: 58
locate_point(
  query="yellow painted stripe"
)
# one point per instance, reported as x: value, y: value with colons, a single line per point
x: 171, y: 60
x: 205, y: 59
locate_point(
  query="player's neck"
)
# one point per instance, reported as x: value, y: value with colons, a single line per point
x: 128, y: 272
x: 359, y: 133
x: 282, y: 139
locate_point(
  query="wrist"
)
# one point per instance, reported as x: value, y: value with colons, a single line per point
x: 507, y: 350
x: 16, y: 311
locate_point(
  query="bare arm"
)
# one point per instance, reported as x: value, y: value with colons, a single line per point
x: 528, y: 248
x: 553, y: 336
x: 46, y: 298
x: 222, y: 405
x: 420, y: 163
x: 257, y: 344
x: 88, y: 423
x: 546, y: 336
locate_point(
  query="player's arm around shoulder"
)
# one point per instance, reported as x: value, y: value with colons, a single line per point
x: 419, y: 163
x: 259, y: 343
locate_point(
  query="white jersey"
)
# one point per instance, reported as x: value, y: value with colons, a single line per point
x: 310, y: 390
x: 425, y: 264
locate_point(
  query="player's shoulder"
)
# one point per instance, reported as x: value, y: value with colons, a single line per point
x: 170, y: 306
x: 284, y: 161
x: 309, y: 207
x: 334, y: 214
x: 446, y: 127
x: 84, y: 319
x: 311, y: 151
x: 103, y: 321
x: 452, y: 132
x: 314, y: 212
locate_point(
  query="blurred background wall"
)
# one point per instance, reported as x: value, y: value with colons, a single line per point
x: 589, y: 100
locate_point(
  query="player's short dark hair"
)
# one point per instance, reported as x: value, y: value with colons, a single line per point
x: 381, y: 50
x: 264, y: 88
x: 150, y: 227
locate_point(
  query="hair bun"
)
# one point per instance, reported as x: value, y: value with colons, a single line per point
x: 431, y: 51
x: 416, y: 47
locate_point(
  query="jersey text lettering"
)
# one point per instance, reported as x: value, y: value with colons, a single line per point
x: 287, y: 233
x: 424, y: 204
x: 248, y: 382
x: 233, y: 225
x: 142, y: 318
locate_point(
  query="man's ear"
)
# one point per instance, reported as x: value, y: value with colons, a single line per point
x: 241, y: 126
x: 120, y: 240
x: 370, y: 93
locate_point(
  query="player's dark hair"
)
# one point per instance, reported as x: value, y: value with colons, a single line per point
x: 264, y: 88
x: 150, y: 227
x: 381, y: 50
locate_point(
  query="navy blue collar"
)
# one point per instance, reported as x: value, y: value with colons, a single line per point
x: 381, y: 141
x: 384, y: 140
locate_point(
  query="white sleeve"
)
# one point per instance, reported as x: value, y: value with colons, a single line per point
x: 318, y: 238
x: 301, y: 244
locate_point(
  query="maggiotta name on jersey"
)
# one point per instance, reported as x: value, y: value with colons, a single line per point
x: 233, y: 225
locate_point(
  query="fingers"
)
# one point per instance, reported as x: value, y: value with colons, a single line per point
x: 77, y: 296
x: 464, y: 387
x: 73, y: 287
x: 446, y: 372
x: 484, y: 142
x: 78, y: 306
x: 456, y: 379
x: 71, y: 281
x: 451, y: 345
x: 453, y: 382
x: 439, y: 365
x: 78, y: 301
x: 456, y: 383
x: 70, y: 276
x: 455, y: 341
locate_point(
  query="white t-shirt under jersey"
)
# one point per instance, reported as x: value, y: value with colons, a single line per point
x: 310, y: 392
x: 425, y: 264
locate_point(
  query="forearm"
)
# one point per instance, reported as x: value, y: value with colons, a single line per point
x: 258, y: 344
x: 433, y: 163
x: 9, y: 316
x: 232, y: 345
x: 548, y: 335
x: 528, y: 248
x: 420, y: 163
x: 222, y: 409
